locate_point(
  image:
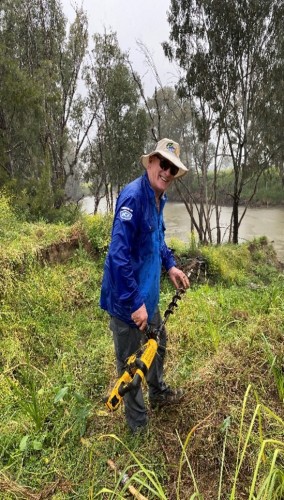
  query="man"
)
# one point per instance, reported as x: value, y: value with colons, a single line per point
x: 131, y: 281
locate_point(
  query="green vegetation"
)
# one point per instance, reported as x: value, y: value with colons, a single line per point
x: 56, y: 364
x: 269, y: 191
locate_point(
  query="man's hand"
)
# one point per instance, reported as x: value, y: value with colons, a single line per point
x: 179, y: 279
x: 140, y: 317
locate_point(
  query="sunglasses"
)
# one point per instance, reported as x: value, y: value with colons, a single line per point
x: 166, y: 165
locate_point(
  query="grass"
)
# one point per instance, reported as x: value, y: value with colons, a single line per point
x: 271, y: 486
x: 56, y: 364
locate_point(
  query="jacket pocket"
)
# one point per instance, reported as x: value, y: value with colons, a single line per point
x: 148, y: 226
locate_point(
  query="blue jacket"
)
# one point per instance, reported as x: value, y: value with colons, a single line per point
x: 136, y: 254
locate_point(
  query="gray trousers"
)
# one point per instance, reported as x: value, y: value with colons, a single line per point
x: 127, y: 341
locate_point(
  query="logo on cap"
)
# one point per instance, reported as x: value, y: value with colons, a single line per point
x: 171, y: 148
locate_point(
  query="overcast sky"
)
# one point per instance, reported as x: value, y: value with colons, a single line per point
x: 133, y: 20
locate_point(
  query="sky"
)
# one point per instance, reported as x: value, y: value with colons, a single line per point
x: 133, y: 20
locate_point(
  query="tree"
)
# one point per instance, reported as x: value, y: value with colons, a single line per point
x: 172, y: 114
x: 272, y: 113
x: 36, y: 131
x: 176, y: 116
x: 20, y: 112
x: 121, y: 123
x: 224, y: 48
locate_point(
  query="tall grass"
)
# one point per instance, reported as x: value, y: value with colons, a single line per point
x: 276, y: 367
x: 29, y: 397
x: 142, y: 477
x: 259, y: 411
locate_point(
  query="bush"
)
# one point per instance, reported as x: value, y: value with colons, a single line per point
x: 8, y: 218
x: 98, y: 229
x: 227, y: 263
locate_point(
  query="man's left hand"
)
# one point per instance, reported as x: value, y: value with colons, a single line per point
x: 179, y: 279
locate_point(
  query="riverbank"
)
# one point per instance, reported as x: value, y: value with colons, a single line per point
x: 259, y: 203
x: 269, y: 191
x: 258, y: 222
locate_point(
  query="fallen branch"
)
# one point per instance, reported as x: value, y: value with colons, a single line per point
x: 9, y: 486
x: 20, y: 491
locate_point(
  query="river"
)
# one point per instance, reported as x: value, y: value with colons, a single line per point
x: 257, y: 222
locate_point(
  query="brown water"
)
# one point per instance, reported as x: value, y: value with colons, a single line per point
x: 257, y: 222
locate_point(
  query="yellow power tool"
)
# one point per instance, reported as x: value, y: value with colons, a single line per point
x: 136, y: 369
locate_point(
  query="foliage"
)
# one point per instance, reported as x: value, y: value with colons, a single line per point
x: 144, y: 477
x: 49, y: 390
x: 40, y: 68
x: 98, y: 228
x: 26, y: 243
x: 23, y: 244
x: 8, y: 219
x: 29, y: 398
x: 269, y: 487
x: 248, y: 259
x: 220, y: 260
x: 275, y: 363
x: 111, y: 158
x: 171, y: 117
x: 269, y: 190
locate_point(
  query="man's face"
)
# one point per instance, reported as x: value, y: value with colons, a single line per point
x: 160, y: 174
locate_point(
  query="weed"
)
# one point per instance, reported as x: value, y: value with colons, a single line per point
x: 276, y: 368
x: 29, y: 397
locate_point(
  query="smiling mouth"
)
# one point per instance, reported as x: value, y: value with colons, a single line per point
x: 164, y: 179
